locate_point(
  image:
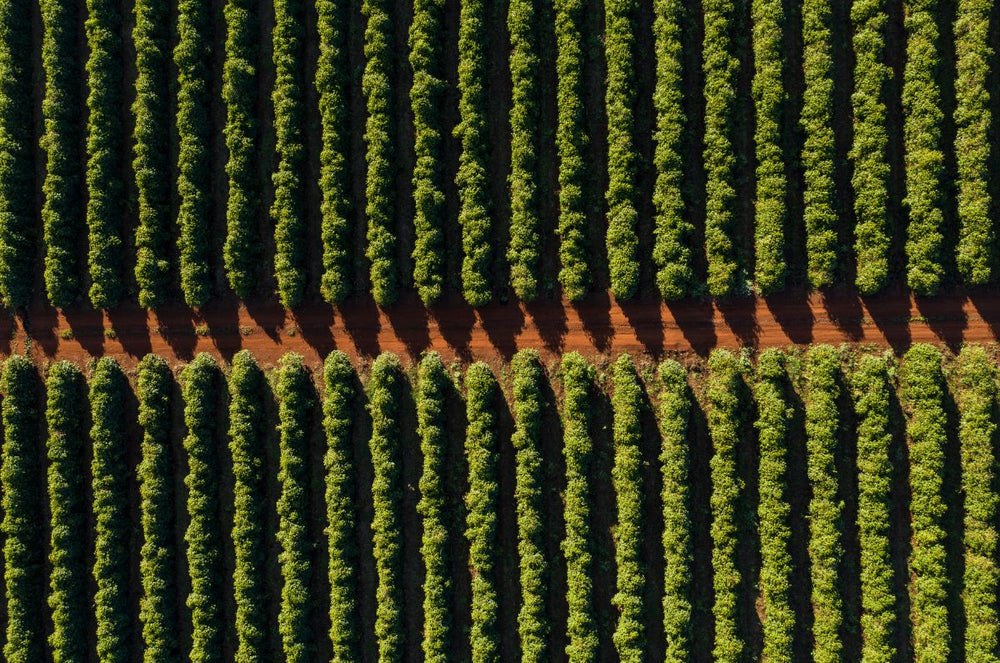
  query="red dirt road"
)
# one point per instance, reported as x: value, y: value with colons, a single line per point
x: 596, y: 326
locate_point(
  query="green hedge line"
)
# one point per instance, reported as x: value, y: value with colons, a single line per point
x: 105, y: 140
x: 869, y: 153
x: 247, y: 448
x: 191, y: 58
x: 66, y: 414
x: 426, y: 49
x: 673, y: 230
x: 432, y: 385
x: 472, y: 130
x: 769, y: 99
x: 61, y: 142
x: 922, y: 117
x: 158, y: 605
x: 241, y: 251
x: 977, y: 432
x: 571, y: 140
x: 623, y: 218
x: 581, y: 625
x: 22, y: 513
x: 922, y: 391
x: 773, y: 509
x: 17, y: 191
x: 977, y: 238
x: 381, y: 150
x: 673, y: 416
x: 871, y: 392
x: 384, y: 392
x: 339, y: 412
x: 108, y: 389
x: 818, y: 148
x: 720, y: 70
x: 524, y: 251
x: 626, y: 403
x: 331, y: 83
x: 151, y: 151
x: 200, y: 383
x: 823, y: 418
x: 295, y: 403
x: 533, y: 623
x: 724, y: 422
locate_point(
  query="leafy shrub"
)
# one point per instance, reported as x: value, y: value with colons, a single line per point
x: 288, y: 208
x: 383, y: 405
x: 191, y: 58
x: 61, y: 142
x: 626, y: 402
x: 871, y: 164
x: 581, y: 625
x: 151, y: 150
x: 922, y: 392
x: 673, y: 231
x: 247, y: 448
x: 157, y: 609
x: 426, y: 47
x: 67, y: 445
x: 241, y: 251
x: 533, y: 622
x: 338, y: 418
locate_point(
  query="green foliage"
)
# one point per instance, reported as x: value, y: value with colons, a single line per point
x: 17, y: 221
x: 922, y: 117
x: 769, y: 98
x: 922, y: 391
x: 241, y: 251
x: 22, y: 513
x: 724, y: 422
x: 481, y: 504
x: 426, y: 50
x: 870, y: 388
x: 108, y: 388
x: 571, y: 140
x: 524, y: 251
x: 331, y: 83
x: 578, y: 448
x: 774, y: 510
x: 674, y: 410
x: 157, y: 609
x: 673, y: 231
x: 432, y: 386
x: 474, y: 210
x: 151, y: 150
x: 818, y: 149
x: 62, y: 143
x: 105, y: 141
x: 720, y: 69
x: 383, y: 405
x: 191, y: 58
x: 381, y: 154
x: 247, y: 448
x: 288, y: 208
x: 67, y: 445
x: 338, y: 418
x: 626, y: 402
x: 977, y: 239
x: 200, y: 383
x: 977, y: 432
x: 825, y: 507
x: 533, y: 622
x: 295, y: 403
x: 623, y: 218
x: 869, y: 153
